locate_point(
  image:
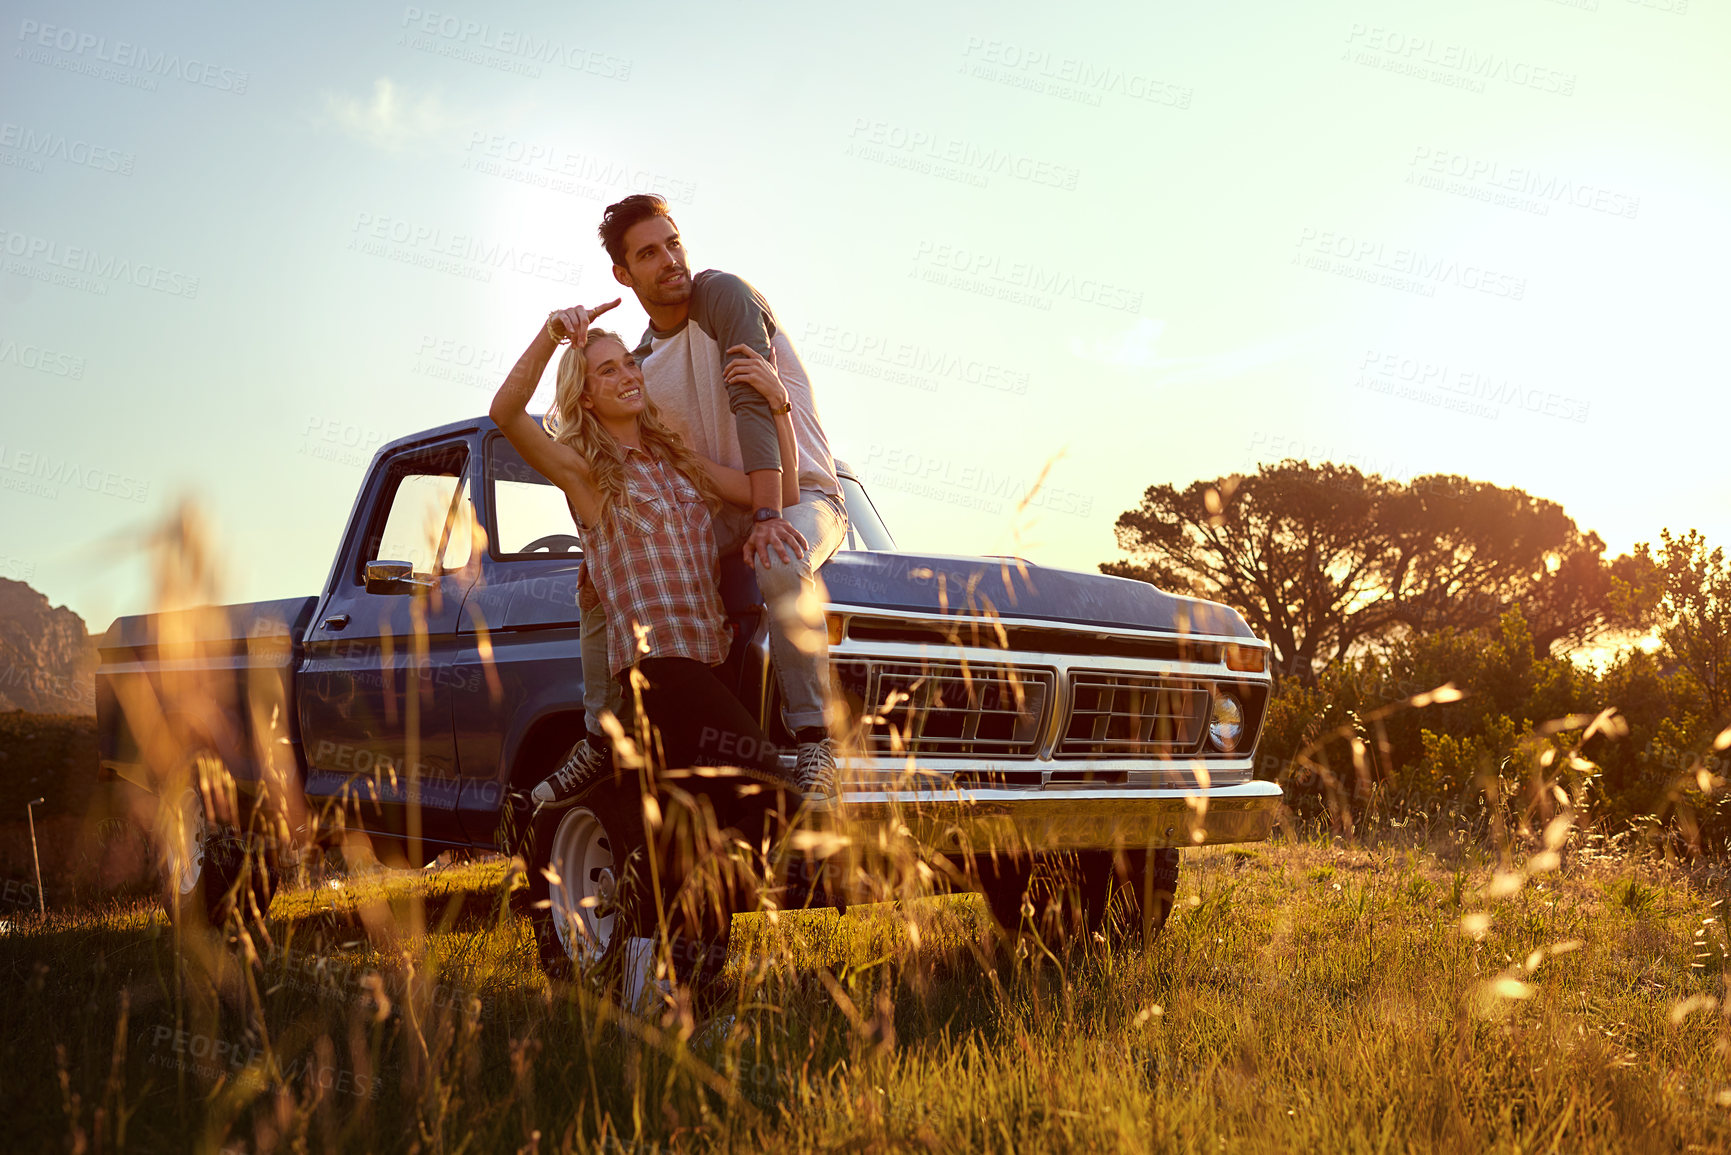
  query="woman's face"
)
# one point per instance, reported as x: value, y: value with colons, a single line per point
x: 613, y: 385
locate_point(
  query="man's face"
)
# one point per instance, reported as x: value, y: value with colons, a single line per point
x: 655, y: 267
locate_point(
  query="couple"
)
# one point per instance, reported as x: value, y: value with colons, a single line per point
x: 704, y: 438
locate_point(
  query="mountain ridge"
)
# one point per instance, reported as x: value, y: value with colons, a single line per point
x: 47, y: 654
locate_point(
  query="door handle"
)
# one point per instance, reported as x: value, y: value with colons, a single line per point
x: 336, y: 621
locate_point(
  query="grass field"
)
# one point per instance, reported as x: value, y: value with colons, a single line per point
x: 1305, y: 995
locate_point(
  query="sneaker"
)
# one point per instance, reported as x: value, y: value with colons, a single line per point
x: 814, y: 773
x: 584, y: 764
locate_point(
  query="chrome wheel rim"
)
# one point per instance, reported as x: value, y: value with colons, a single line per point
x: 582, y: 889
x: 186, y: 842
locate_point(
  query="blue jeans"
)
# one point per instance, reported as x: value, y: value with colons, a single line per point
x: 798, y: 636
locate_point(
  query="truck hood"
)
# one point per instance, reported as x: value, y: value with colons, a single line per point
x: 1011, y: 588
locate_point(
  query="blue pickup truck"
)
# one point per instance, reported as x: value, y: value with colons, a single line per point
x: 1007, y: 717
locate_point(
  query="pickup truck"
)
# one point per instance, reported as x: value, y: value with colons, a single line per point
x: 1019, y: 721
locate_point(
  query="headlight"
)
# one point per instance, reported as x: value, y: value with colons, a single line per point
x: 1226, y: 722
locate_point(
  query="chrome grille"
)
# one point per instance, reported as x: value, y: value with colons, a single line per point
x: 1125, y: 715
x: 947, y: 707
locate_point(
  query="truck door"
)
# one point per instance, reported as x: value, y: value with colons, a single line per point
x: 378, y: 681
x: 523, y: 634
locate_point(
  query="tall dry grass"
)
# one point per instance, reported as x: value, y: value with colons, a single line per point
x: 1305, y: 994
x: 1417, y: 987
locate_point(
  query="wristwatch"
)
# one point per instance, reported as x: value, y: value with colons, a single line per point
x: 764, y: 513
x: 788, y: 408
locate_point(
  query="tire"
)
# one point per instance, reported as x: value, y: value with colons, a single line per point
x: 206, y: 870
x: 591, y: 899
x: 1003, y: 882
x: 1078, y: 894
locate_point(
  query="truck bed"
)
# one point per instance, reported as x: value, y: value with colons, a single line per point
x: 223, y: 674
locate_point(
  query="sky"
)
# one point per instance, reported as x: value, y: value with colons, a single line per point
x: 243, y: 246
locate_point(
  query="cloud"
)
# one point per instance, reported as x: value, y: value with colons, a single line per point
x: 1132, y: 349
x: 1136, y: 348
x: 391, y: 119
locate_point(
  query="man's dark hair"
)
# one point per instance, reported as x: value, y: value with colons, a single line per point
x: 620, y: 217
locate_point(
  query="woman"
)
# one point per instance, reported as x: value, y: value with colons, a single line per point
x: 643, y: 502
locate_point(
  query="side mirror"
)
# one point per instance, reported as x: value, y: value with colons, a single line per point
x: 393, y: 577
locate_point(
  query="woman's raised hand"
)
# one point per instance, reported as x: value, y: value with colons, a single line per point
x: 750, y: 368
x: 573, y: 324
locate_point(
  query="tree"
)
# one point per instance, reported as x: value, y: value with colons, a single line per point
x: 1323, y: 559
x: 1294, y: 548
x: 1689, y: 593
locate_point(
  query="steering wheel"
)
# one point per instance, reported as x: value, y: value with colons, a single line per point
x: 554, y: 543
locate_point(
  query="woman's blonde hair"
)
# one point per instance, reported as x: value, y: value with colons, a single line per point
x: 571, y: 423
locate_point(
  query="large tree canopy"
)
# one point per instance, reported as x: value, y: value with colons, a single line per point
x: 1323, y: 559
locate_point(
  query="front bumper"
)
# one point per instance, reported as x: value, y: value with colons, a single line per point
x: 1109, y: 818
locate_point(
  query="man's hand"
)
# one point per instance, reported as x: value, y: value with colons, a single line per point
x: 777, y: 534
x: 750, y: 368
x: 573, y: 323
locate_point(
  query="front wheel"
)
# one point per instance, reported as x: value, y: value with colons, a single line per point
x: 598, y: 904
x: 206, y: 870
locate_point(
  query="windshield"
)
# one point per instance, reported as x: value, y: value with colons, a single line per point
x: 865, y: 529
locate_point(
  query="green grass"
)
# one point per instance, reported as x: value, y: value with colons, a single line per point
x: 1304, y: 996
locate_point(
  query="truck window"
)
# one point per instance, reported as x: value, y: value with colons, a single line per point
x: 429, y: 521
x: 526, y: 508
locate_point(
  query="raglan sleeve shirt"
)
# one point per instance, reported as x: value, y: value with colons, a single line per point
x: 733, y: 313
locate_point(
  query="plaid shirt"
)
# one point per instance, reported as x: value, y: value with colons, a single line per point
x: 654, y: 563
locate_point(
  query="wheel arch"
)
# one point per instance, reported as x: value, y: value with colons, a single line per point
x: 531, y: 756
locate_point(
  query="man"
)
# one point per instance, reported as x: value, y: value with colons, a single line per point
x: 697, y: 328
